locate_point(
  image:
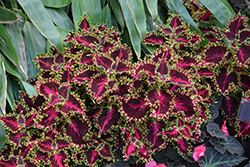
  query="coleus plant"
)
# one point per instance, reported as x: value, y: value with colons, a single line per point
x: 92, y: 100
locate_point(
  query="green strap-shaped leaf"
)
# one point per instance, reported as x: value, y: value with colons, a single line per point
x: 91, y: 7
x: 55, y: 3
x: 2, y: 135
x: 60, y: 18
x: 152, y: 7
x: 116, y: 8
x: 3, y: 85
x: 40, y: 18
x: 7, y: 47
x: 16, y: 35
x: 63, y: 32
x: 220, y: 9
x: 135, y: 19
x: 213, y: 158
x: 11, y: 68
x: 35, y: 44
x: 31, y: 90
x: 7, y: 16
x: 10, y: 94
x: 176, y: 6
x: 106, y: 16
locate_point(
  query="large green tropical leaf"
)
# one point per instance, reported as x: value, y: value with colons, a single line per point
x: 106, y: 16
x: 40, y: 18
x: 91, y: 7
x: 135, y: 19
x: 116, y: 8
x: 7, y: 47
x: 7, y: 16
x: 35, y: 44
x: 15, y: 33
x: 55, y: 3
x: 60, y: 18
x: 3, y: 85
x: 220, y: 9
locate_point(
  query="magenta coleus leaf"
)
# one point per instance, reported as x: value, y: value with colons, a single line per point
x: 244, y: 35
x: 163, y: 99
x: 245, y: 81
x: 49, y: 117
x: 92, y: 156
x: 10, y: 122
x: 243, y: 53
x: 135, y: 108
x: 84, y: 76
x: 103, y: 61
x: 144, y: 70
x: 76, y: 129
x: 154, y: 39
x: 108, y: 119
x: 236, y: 24
x: 86, y: 39
x: 178, y: 77
x: 84, y: 23
x: 100, y: 86
x: 45, y: 63
x: 161, y: 54
x: 49, y: 89
x: 225, y: 78
x: 182, y: 145
x: 153, y: 134
x: 243, y: 129
x: 230, y: 105
x: 58, y: 159
x: 215, y: 53
x: 121, y: 53
x: 72, y: 105
x: 183, y: 103
x: 85, y: 58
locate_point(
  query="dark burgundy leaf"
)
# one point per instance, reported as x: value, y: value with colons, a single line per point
x: 162, y: 98
x: 230, y: 105
x: 85, y: 76
x: 135, y: 108
x: 175, y: 21
x: 92, y: 156
x: 109, y: 118
x: 103, y: 61
x: 57, y: 160
x: 72, y: 104
x: 10, y: 122
x: 154, y: 39
x: 46, y: 145
x: 161, y: 54
x: 244, y: 35
x: 236, y: 24
x: 243, y: 53
x: 182, y: 145
x: 183, y: 103
x: 50, y: 116
x: 87, y: 40
x: 224, y: 79
x: 214, y: 54
x: 121, y: 53
x: 45, y: 63
x: 84, y: 23
x: 86, y: 58
x: 98, y: 86
x: 245, y: 81
x: 178, y: 77
x: 76, y: 128
x: 243, y: 129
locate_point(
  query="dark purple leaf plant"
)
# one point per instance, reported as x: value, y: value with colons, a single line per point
x: 93, y: 100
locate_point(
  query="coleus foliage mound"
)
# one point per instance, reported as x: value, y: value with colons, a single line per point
x: 225, y: 64
x: 92, y: 100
